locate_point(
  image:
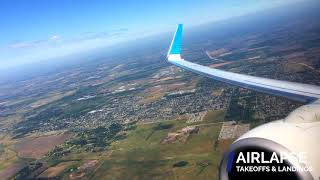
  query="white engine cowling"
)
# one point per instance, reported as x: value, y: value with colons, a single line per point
x: 298, y: 133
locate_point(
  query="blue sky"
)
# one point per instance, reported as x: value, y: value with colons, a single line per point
x: 34, y: 30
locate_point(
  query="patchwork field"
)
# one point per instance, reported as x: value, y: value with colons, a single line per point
x: 142, y: 155
x: 159, y: 150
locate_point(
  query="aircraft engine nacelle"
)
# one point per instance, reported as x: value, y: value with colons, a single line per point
x: 295, y: 140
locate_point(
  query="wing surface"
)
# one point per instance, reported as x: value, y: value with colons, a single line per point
x: 295, y: 91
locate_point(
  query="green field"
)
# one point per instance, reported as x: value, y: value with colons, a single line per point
x: 1, y: 149
x: 142, y: 156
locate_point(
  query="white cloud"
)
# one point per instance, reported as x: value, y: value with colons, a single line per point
x: 55, y: 37
x: 19, y: 45
x: 56, y: 45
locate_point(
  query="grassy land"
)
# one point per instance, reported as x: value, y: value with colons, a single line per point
x: 141, y: 156
x: 59, y: 169
x: 214, y: 116
x: 7, y: 155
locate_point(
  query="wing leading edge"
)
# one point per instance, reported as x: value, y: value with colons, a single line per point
x: 295, y: 91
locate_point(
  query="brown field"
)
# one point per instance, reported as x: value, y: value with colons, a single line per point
x: 224, y: 145
x: 51, y: 98
x: 155, y: 93
x: 165, y: 79
x: 217, y: 52
x: 155, y: 89
x: 217, y: 92
x: 294, y: 67
x: 36, y: 147
x: 11, y: 170
x: 178, y: 86
x: 152, y: 98
x: 7, y: 157
x: 214, y: 116
x: 171, y: 87
x: 219, y: 64
x: 56, y: 170
x: 287, y: 48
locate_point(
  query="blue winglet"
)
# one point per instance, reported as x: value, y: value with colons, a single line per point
x: 175, y: 47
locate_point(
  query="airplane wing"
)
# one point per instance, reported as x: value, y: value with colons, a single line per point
x: 296, y: 91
